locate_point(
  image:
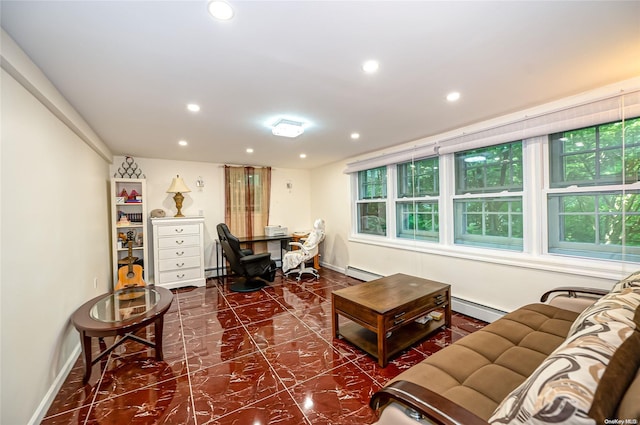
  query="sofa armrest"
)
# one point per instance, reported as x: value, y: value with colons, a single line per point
x: 429, y: 404
x: 573, y: 292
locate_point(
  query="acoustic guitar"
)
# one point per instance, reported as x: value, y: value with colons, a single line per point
x: 131, y: 274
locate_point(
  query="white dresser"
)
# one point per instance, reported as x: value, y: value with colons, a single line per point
x: 178, y: 251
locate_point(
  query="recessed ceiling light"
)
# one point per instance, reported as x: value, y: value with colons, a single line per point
x: 370, y: 66
x: 220, y: 10
x: 453, y: 96
x: 193, y: 107
x: 355, y: 136
x: 249, y: 150
x: 287, y: 128
x: 183, y: 143
x: 303, y: 155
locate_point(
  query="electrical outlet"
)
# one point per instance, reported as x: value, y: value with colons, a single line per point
x: 95, y: 282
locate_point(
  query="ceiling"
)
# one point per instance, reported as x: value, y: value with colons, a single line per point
x: 130, y: 67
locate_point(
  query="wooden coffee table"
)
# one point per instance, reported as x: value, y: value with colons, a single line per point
x: 383, y: 313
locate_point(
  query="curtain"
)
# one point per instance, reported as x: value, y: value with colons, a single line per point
x: 247, y: 199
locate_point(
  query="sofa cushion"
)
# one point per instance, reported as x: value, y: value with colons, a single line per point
x: 563, y: 388
x: 616, y: 380
x: 481, y: 369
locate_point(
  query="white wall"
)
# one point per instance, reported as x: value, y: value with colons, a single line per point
x: 289, y: 207
x: 55, y: 242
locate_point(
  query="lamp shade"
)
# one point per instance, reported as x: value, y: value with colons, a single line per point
x: 178, y: 185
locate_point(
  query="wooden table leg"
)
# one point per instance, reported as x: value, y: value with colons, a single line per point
x: 158, y: 328
x: 86, y: 354
x: 334, y: 319
x: 382, y: 342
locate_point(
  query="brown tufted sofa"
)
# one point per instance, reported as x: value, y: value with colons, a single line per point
x: 494, y: 374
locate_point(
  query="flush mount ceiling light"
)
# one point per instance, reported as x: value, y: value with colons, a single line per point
x: 249, y: 150
x: 287, y: 128
x: 355, y: 136
x: 303, y: 155
x: 193, y: 107
x: 453, y: 96
x: 183, y: 143
x: 220, y: 10
x: 370, y: 66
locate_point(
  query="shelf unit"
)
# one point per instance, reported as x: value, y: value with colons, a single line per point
x: 136, y: 230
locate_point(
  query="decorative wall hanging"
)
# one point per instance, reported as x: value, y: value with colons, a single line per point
x: 129, y: 170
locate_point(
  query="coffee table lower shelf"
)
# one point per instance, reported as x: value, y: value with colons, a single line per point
x: 399, y: 339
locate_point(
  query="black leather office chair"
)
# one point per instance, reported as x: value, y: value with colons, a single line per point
x: 253, y: 269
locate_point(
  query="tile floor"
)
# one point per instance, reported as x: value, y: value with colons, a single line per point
x: 265, y: 357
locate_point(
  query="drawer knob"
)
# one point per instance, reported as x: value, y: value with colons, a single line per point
x: 179, y: 253
x: 397, y: 321
x: 179, y: 242
x: 179, y: 230
x: 399, y: 314
x: 180, y: 276
x: 179, y: 265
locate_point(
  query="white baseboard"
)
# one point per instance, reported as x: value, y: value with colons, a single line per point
x: 51, y: 394
x: 361, y: 274
x: 476, y: 310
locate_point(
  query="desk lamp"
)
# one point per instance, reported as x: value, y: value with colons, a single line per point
x: 178, y: 187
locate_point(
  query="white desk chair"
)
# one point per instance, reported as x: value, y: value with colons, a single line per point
x: 294, y: 261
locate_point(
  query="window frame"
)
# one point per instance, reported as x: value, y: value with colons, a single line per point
x: 482, y: 194
x: 432, y: 197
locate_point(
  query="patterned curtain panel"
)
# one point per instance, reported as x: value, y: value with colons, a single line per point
x: 247, y: 199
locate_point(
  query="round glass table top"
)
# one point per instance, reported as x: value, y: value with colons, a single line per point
x: 125, y: 304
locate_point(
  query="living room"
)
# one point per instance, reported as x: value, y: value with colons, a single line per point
x: 55, y: 180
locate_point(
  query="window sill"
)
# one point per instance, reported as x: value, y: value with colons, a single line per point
x: 604, y: 269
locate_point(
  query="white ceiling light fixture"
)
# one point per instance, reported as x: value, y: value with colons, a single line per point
x: 355, y: 136
x: 287, y: 128
x: 303, y: 155
x: 183, y: 143
x: 193, y: 107
x: 249, y: 150
x: 370, y: 66
x: 453, y: 96
x: 220, y: 10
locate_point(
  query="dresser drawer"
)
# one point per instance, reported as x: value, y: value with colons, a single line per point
x: 186, y: 229
x: 179, y: 275
x: 178, y: 252
x: 178, y: 241
x: 179, y: 263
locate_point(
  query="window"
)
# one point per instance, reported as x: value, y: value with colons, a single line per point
x: 488, y: 199
x: 417, y: 204
x: 592, y: 209
x: 372, y: 201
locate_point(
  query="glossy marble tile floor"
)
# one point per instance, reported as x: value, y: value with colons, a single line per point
x: 265, y: 357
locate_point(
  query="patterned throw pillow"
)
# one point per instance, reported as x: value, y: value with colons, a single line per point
x: 631, y: 281
x: 615, y: 306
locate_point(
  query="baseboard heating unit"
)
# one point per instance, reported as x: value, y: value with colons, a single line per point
x: 364, y: 275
